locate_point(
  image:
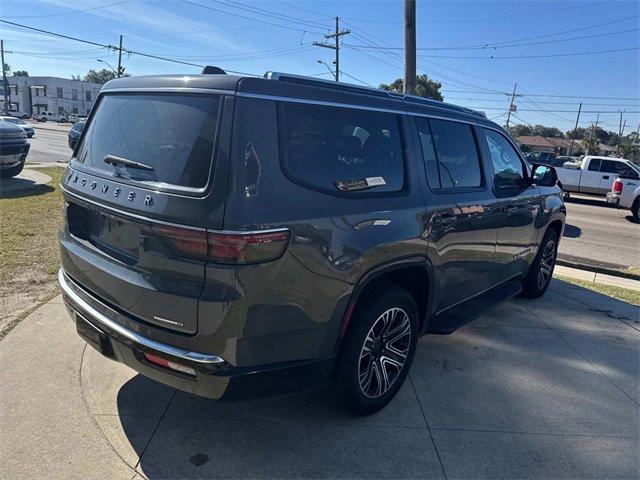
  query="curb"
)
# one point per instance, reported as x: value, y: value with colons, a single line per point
x: 597, y: 269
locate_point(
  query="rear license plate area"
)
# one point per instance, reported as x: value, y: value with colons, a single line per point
x: 93, y: 335
x: 112, y: 234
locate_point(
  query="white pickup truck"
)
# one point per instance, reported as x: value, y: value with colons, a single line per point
x: 625, y: 193
x: 595, y: 175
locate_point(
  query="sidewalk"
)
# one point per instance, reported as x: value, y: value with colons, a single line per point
x: 597, y: 277
x: 538, y: 389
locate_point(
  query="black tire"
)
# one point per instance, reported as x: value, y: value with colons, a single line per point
x: 539, y: 277
x: 358, y: 383
x: 12, y: 172
x: 43, y: 120
x: 635, y: 207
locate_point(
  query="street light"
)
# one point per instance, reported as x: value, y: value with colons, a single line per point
x: 328, y: 67
x: 107, y: 64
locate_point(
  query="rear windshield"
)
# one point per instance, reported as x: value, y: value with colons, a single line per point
x: 172, y: 134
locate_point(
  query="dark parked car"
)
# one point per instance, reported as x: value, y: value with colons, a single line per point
x: 240, y: 237
x: 13, y: 149
x: 74, y: 134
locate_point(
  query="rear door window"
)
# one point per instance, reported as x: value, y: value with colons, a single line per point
x: 457, y: 163
x: 172, y: 134
x: 339, y: 149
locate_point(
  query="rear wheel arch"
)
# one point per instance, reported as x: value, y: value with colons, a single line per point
x: 412, y: 274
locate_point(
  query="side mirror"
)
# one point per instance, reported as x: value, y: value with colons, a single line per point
x: 571, y: 165
x: 544, y: 176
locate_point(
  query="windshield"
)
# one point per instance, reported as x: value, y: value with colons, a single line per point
x: 14, y: 120
x: 171, y: 133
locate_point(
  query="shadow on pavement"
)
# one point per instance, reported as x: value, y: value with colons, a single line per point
x: 20, y: 187
x: 629, y: 218
x: 596, y: 202
x: 543, y: 388
x: 571, y: 231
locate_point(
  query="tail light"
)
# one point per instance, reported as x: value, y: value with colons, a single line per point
x: 246, y: 248
x: 163, y: 362
x: 230, y: 248
x: 617, y: 187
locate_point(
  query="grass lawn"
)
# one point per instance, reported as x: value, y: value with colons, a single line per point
x: 29, y: 258
x: 619, y: 293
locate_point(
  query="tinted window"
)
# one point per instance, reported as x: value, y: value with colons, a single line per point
x: 458, y: 162
x: 342, y: 149
x: 173, y: 134
x: 428, y: 152
x: 507, y: 167
x: 594, y: 165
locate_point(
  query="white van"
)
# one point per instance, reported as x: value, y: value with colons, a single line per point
x: 52, y: 117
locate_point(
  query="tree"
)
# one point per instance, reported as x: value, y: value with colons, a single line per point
x: 547, y: 131
x: 520, y: 130
x: 589, y: 144
x: 20, y: 73
x: 425, y: 87
x: 102, y: 76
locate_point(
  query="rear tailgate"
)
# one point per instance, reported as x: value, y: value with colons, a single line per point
x: 136, y: 238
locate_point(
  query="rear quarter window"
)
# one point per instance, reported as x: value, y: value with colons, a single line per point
x: 174, y: 134
x: 337, y: 149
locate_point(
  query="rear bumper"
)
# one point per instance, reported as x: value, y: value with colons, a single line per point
x: 13, y: 154
x: 214, y: 377
x: 613, y: 199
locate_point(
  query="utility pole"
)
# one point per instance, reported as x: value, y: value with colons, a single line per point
x: 575, y: 129
x: 593, y: 127
x: 5, y: 82
x: 119, y: 72
x: 511, y: 106
x: 624, y: 125
x: 409, y: 84
x: 335, y: 46
x: 620, y: 126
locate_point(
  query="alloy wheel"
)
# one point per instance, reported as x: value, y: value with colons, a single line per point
x: 384, y: 352
x: 546, y: 264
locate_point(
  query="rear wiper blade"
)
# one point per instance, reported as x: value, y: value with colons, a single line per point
x: 113, y: 160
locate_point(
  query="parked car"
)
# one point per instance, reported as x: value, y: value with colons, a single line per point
x: 595, y: 175
x: 28, y: 129
x: 75, y: 117
x: 240, y: 237
x: 51, y: 117
x: 17, y: 114
x: 74, y: 134
x: 625, y: 193
x: 542, y: 158
x: 13, y: 149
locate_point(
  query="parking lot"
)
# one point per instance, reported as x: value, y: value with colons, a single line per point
x: 534, y: 389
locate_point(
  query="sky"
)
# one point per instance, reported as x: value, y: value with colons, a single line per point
x: 559, y: 53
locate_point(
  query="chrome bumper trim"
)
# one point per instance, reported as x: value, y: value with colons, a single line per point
x: 100, y: 318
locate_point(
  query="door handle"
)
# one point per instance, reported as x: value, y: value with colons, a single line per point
x: 511, y: 209
x: 605, y: 177
x: 444, y: 219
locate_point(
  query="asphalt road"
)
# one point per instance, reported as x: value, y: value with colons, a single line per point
x: 49, y: 144
x: 600, y: 235
x: 595, y: 233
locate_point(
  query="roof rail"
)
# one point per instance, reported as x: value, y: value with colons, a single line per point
x: 289, y: 77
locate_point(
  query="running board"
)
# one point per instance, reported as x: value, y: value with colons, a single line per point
x: 450, y: 320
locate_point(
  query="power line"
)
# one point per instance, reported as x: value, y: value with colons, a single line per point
x: 475, y: 20
x: 546, y: 102
x: 548, y: 95
x: 512, y: 57
x: 268, y: 13
x: 251, y: 18
x: 510, y: 44
x: 114, y: 48
x: 83, y: 10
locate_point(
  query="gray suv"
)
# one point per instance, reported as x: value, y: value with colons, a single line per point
x: 239, y: 237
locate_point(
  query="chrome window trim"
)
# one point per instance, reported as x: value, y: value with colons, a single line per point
x: 364, y: 107
x: 214, y: 91
x: 101, y: 318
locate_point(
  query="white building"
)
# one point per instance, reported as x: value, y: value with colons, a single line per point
x: 32, y: 95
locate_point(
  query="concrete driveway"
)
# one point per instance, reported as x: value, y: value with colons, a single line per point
x: 534, y: 389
